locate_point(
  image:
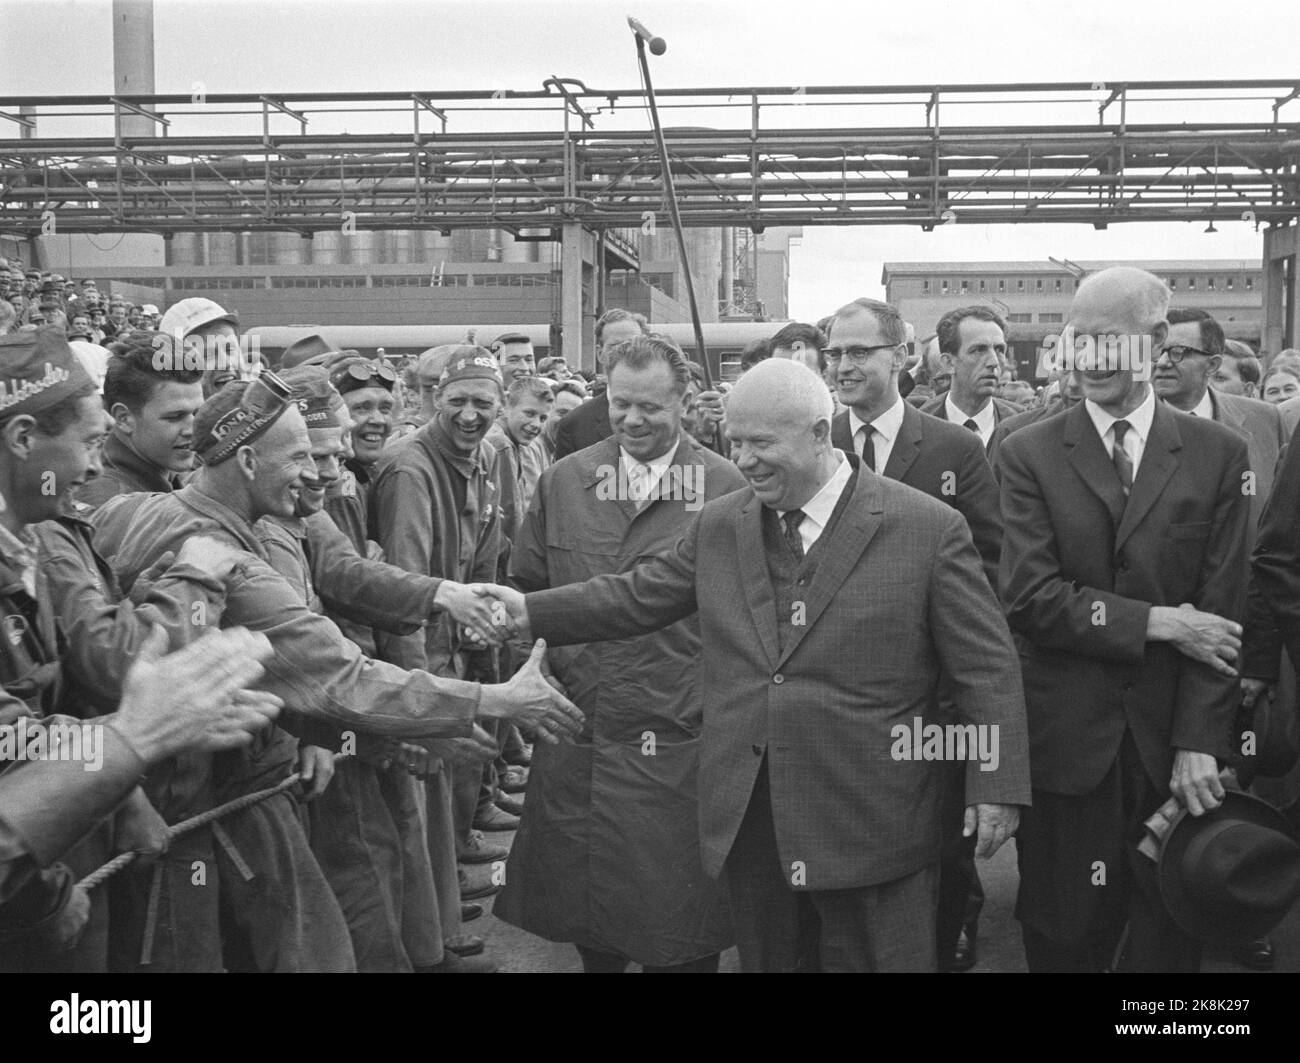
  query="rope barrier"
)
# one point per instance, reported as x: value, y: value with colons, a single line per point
x: 106, y: 871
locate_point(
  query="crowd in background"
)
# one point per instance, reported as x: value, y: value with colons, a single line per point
x: 346, y: 506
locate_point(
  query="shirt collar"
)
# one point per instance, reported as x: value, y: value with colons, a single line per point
x: 657, y: 465
x: 986, y: 420
x: 887, y: 424
x: 1204, y: 408
x: 121, y: 455
x: 1139, y: 420
x: 465, y: 464
x: 819, y: 508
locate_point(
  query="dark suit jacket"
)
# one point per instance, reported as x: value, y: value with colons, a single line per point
x: 1081, y: 569
x: 582, y: 426
x: 1260, y: 424
x: 947, y: 462
x: 1023, y: 419
x: 899, y: 595
x: 938, y: 407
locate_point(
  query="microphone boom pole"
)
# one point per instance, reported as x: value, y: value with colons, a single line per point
x: 641, y: 34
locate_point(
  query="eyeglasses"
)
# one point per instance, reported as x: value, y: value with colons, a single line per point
x: 856, y: 355
x: 359, y: 374
x: 1179, y: 351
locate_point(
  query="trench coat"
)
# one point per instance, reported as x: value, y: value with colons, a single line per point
x: 608, y: 850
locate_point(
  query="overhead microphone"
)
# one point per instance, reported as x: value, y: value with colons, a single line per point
x: 657, y: 44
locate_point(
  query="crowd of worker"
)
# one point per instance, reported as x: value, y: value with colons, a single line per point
x: 366, y: 644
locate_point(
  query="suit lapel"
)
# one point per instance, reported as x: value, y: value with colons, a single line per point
x: 1088, y: 456
x: 840, y: 437
x: 1159, y: 460
x: 857, y: 526
x: 754, y: 577
x: 907, y: 445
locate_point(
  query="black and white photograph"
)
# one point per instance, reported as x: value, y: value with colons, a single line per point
x: 658, y: 487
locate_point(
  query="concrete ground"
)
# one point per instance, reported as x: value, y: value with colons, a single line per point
x: 516, y: 951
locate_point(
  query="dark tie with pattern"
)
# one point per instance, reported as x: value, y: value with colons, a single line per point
x: 970, y: 423
x: 793, y: 539
x: 1123, y: 463
x: 868, y: 446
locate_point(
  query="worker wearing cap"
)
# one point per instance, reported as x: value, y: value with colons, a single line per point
x: 368, y: 409
x: 219, y: 331
x: 149, y: 316
x: 256, y: 457
x: 428, y: 371
x: 435, y: 509
x: 69, y: 637
x: 355, y: 828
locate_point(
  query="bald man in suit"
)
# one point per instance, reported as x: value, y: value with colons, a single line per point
x: 829, y: 601
x: 1125, y: 539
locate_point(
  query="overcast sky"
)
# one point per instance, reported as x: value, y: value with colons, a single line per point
x: 368, y: 45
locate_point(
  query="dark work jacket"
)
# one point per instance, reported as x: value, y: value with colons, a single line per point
x: 124, y: 471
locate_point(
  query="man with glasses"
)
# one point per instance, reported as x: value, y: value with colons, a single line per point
x: 1193, y: 354
x: 867, y: 350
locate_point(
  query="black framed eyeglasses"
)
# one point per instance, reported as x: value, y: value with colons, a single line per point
x: 1179, y: 351
x: 857, y: 355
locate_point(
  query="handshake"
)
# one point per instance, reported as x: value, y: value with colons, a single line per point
x: 533, y: 700
x: 487, y: 613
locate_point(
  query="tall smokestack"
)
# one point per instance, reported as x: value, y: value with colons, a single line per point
x: 133, y: 60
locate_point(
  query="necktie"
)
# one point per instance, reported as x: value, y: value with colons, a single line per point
x: 868, y: 451
x: 638, y: 483
x: 970, y: 423
x: 1123, y: 463
x: 793, y: 539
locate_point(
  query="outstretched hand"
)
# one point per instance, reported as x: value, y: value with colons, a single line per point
x: 532, y: 703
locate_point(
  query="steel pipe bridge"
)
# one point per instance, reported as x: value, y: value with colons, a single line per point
x: 532, y: 162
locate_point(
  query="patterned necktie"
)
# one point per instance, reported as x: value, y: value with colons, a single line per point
x: 868, y: 452
x: 638, y: 483
x: 793, y: 539
x: 1123, y: 463
x: 970, y: 423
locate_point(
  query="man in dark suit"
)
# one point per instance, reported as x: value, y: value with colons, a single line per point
x: 1192, y: 355
x: 867, y: 351
x: 972, y: 345
x: 589, y: 423
x: 1125, y: 535
x: 1068, y: 394
x: 829, y: 600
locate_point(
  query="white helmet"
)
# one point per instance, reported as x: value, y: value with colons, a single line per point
x: 191, y: 314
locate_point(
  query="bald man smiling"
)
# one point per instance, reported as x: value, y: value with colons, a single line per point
x: 829, y: 600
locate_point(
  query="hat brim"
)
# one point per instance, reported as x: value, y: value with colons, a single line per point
x: 1181, y: 905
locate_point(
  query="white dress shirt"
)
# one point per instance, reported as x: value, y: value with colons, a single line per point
x: 986, y: 420
x: 1204, y: 408
x: 642, y: 489
x: 887, y: 426
x: 818, y: 509
x: 1135, y: 440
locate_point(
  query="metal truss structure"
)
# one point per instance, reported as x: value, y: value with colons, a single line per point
x: 532, y: 162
